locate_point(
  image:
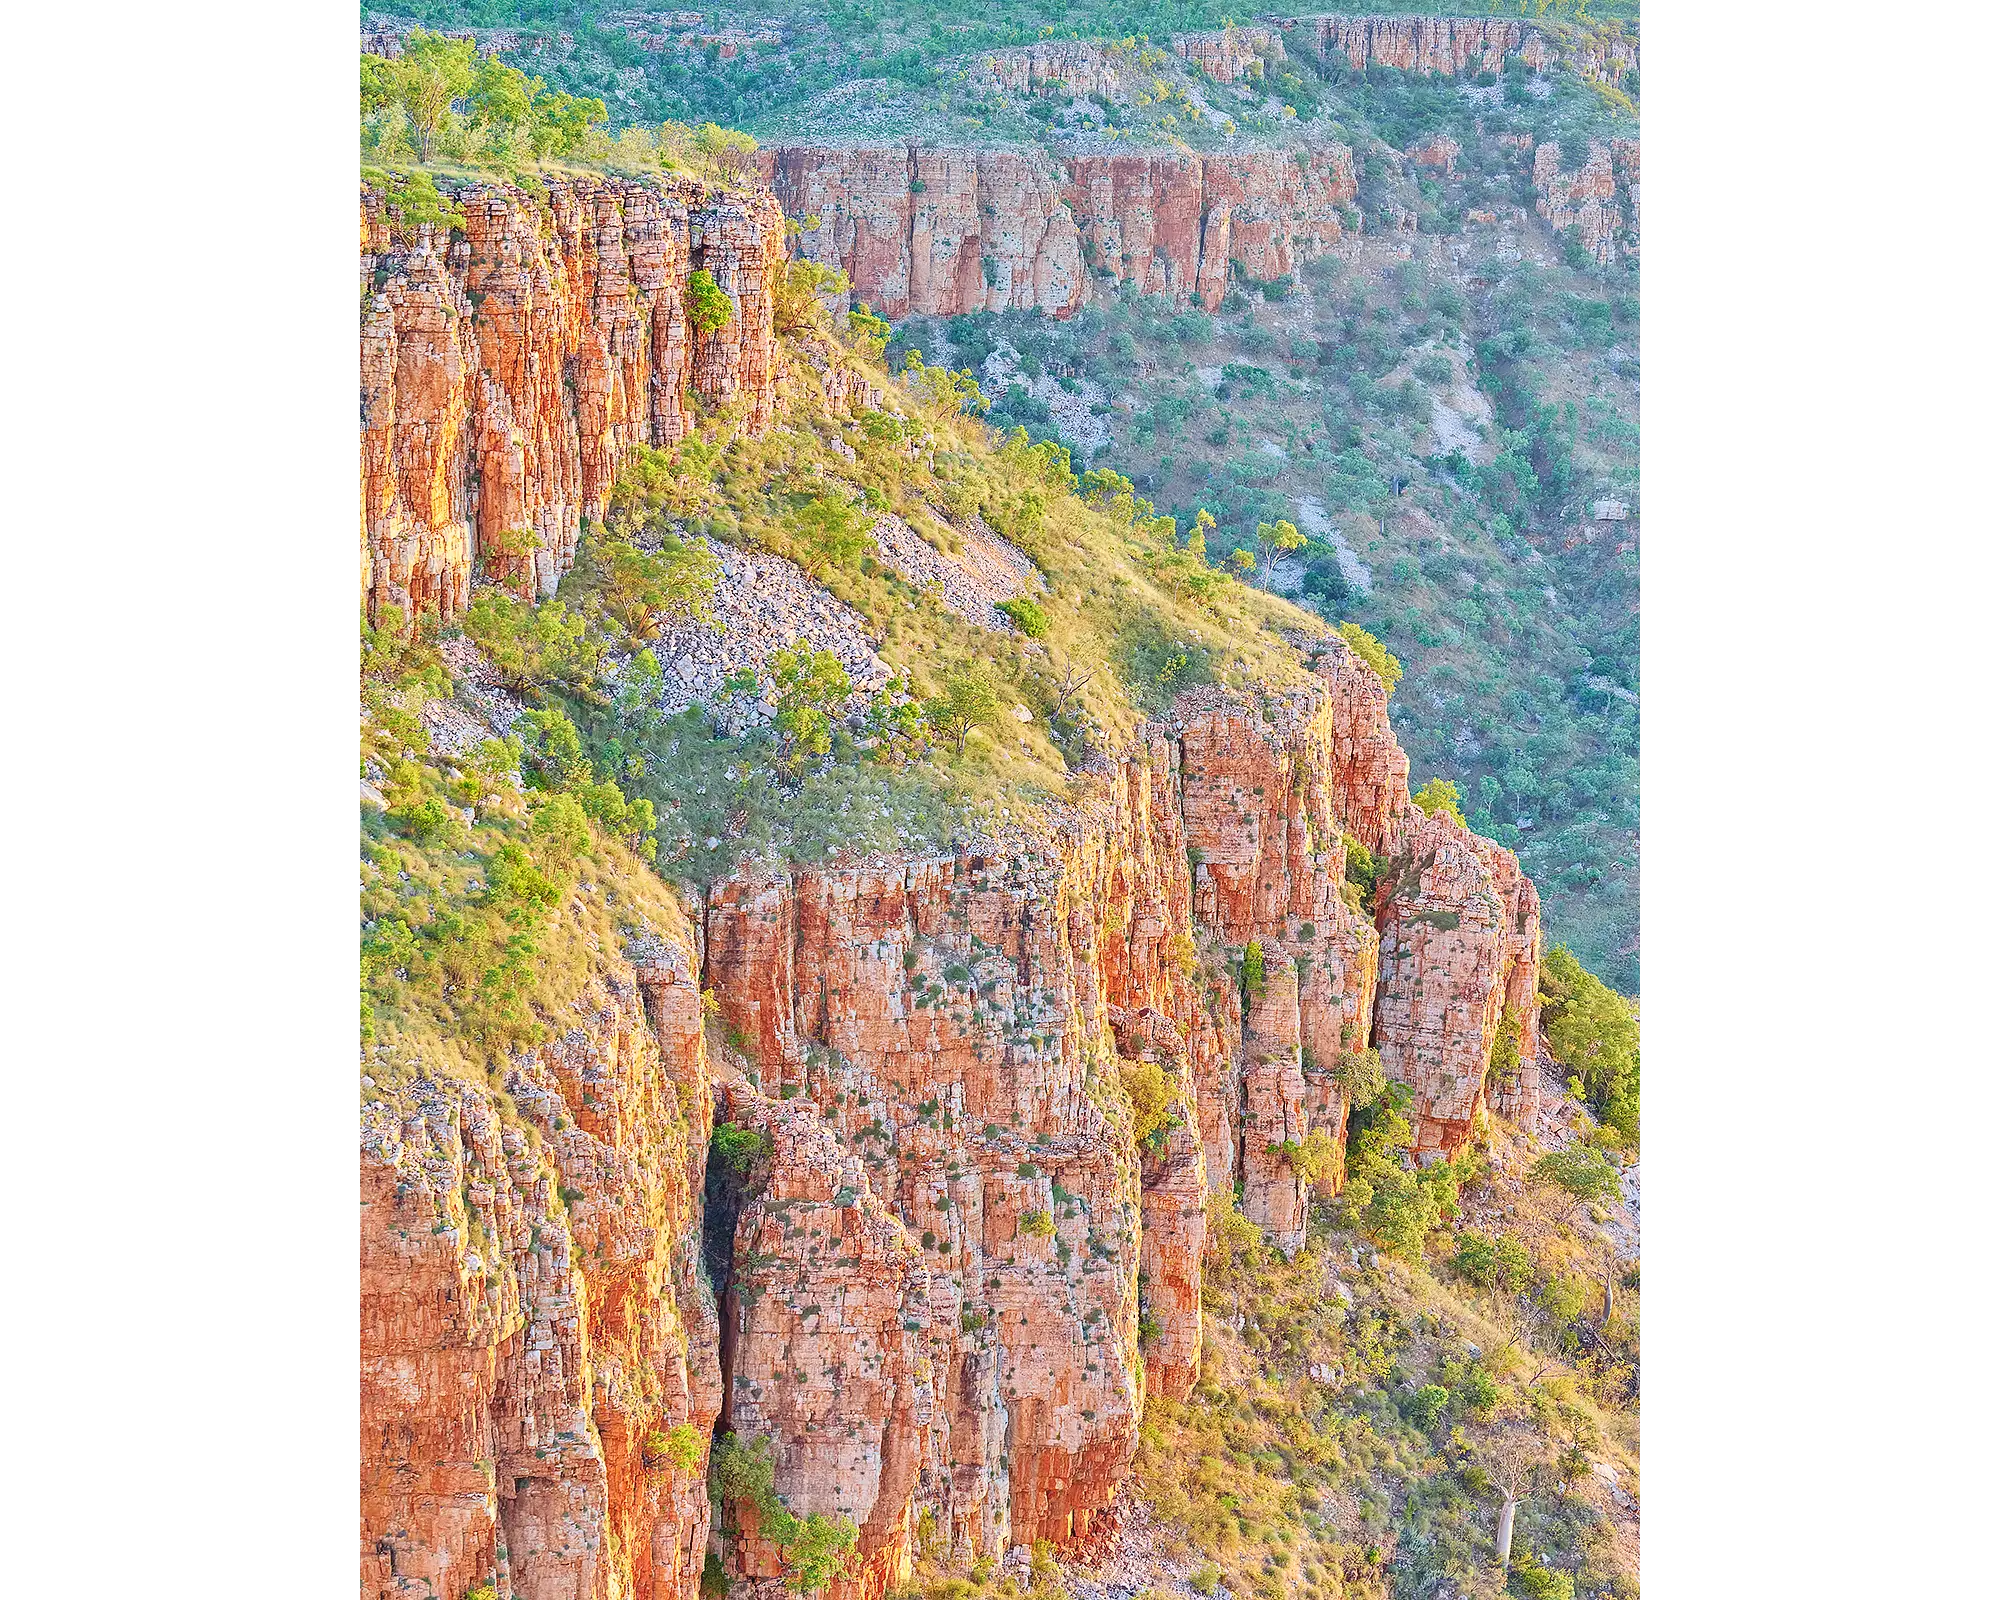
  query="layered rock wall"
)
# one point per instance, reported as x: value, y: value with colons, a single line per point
x: 533, y: 1313
x: 1431, y: 46
x: 940, y: 232
x: 1232, y: 54
x: 959, y: 1267
x: 508, y: 366
x: 1074, y: 65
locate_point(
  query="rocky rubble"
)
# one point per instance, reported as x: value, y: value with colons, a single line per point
x: 762, y: 604
x: 986, y: 570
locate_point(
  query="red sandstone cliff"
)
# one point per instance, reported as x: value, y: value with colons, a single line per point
x: 960, y: 1274
x: 508, y: 367
x: 938, y: 232
x: 532, y: 1311
x: 1600, y: 200
x: 1450, y: 45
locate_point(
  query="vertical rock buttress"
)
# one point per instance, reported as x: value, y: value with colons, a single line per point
x: 509, y: 365
x: 961, y: 1271
x: 534, y: 1317
x: 937, y: 1049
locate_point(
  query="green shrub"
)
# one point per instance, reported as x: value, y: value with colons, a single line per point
x: 1513, y: 1264
x: 1361, y: 1077
x: 1426, y: 1407
x: 1373, y: 651
x: 1591, y: 1030
x: 1361, y: 870
x: 1153, y: 1098
x: 830, y: 532
x: 1037, y: 1224
x: 552, y: 755
x: 741, y: 1149
x: 812, y: 685
x: 683, y: 1446
x: 1440, y: 794
x: 815, y: 1547
x: 1476, y: 1260
x: 1477, y: 1391
x: 817, y: 1552
x: 708, y: 307
x: 1529, y: 1580
x: 1580, y: 1171
x: 969, y: 701
x: 1253, y: 969
x: 1026, y: 615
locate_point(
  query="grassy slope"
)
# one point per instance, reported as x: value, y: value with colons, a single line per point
x: 1113, y: 614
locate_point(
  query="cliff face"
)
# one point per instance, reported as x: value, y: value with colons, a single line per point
x: 507, y: 369
x: 962, y: 1266
x: 941, y: 232
x: 1600, y: 200
x: 533, y: 1312
x: 1232, y: 54
x: 1074, y: 65
x: 1450, y: 45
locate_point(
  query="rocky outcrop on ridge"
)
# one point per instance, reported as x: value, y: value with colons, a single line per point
x: 1230, y: 54
x: 1600, y: 200
x: 507, y: 368
x: 1448, y: 45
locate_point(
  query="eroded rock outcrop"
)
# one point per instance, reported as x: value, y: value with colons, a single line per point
x: 1076, y: 65
x: 533, y: 1314
x: 1461, y: 947
x: 1600, y: 200
x: 508, y: 366
x: 940, y: 232
x: 1230, y: 54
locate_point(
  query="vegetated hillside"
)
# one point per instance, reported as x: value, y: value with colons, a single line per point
x: 1450, y: 418
x: 884, y: 66
x: 1445, y: 381
x: 832, y: 967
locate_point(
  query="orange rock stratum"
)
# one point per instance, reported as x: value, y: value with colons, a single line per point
x: 505, y: 377
x: 953, y: 1282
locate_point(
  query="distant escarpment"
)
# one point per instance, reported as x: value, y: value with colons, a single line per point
x: 985, y: 1106
x: 511, y: 359
x: 939, y: 232
x: 1449, y: 45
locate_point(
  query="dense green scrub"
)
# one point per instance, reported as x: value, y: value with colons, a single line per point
x: 893, y: 44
